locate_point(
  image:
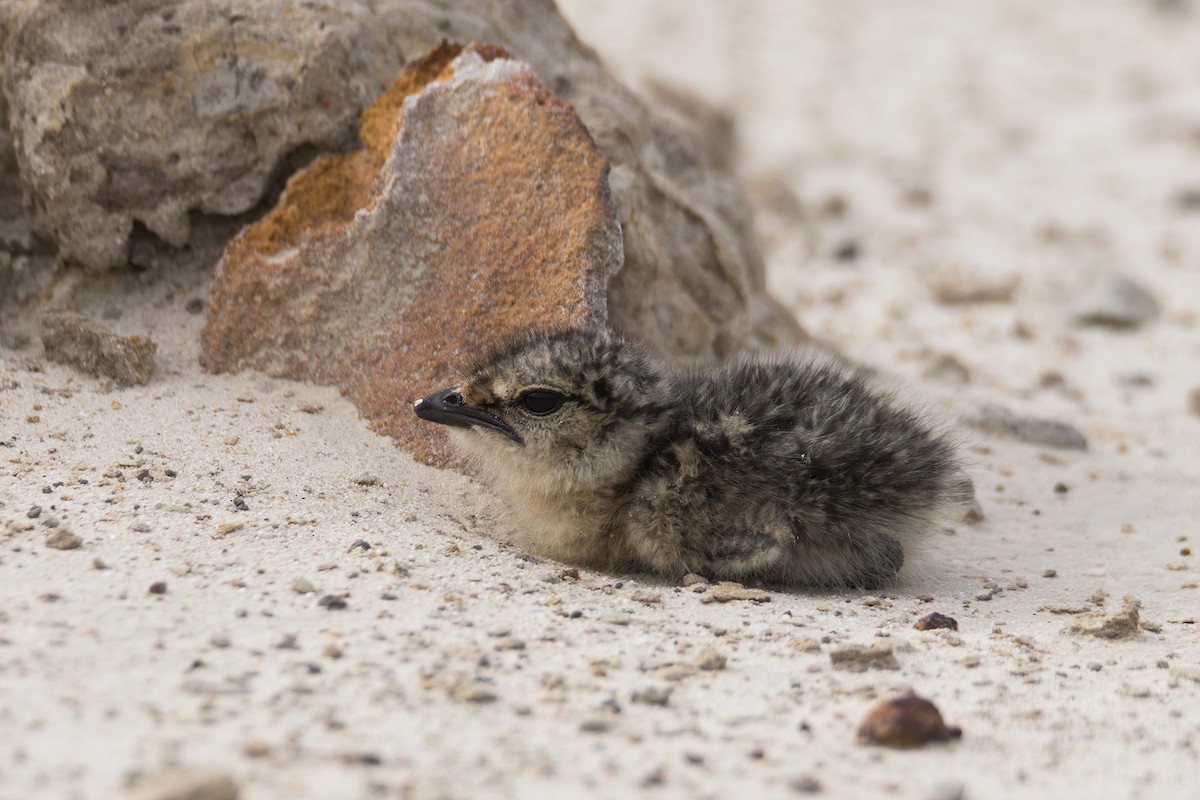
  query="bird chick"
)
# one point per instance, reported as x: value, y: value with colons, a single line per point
x: 786, y: 470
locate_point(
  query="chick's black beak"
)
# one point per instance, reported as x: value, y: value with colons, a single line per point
x: 448, y: 408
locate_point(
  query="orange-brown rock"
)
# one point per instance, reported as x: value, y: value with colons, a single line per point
x: 477, y: 207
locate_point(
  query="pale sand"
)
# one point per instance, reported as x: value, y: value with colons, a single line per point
x: 1051, y: 140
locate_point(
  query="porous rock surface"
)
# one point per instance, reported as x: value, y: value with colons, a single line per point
x: 141, y: 113
x: 85, y: 344
x: 477, y: 207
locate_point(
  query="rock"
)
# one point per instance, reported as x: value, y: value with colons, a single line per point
x: 1193, y: 402
x: 472, y: 693
x: 905, y: 722
x: 384, y: 271
x: 1118, y: 302
x: 1122, y: 625
x: 63, y: 539
x: 710, y: 661
x: 726, y: 591
x: 73, y: 339
x: 1031, y: 430
x: 653, y: 696
x: 186, y: 784
x: 934, y: 621
x: 227, y: 95
x: 857, y: 658
x: 948, y: 369
x: 234, y: 98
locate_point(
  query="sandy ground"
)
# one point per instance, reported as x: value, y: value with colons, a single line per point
x: 940, y: 186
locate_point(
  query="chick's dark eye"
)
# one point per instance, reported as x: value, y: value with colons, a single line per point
x: 540, y: 401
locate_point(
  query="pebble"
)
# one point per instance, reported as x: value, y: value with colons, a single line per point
x: 857, y: 658
x: 63, y: 539
x: 303, y: 586
x: 905, y: 722
x: 727, y: 591
x: 1193, y: 402
x: 1117, y: 302
x: 948, y: 369
x: 34, y: 512
x: 935, y: 621
x: 226, y: 528
x: 805, y: 644
x: 158, y: 587
x: 472, y: 693
x: 654, y: 696
x: 186, y: 784
x: 805, y: 784
x: 711, y: 660
x: 692, y: 579
x: 1031, y: 430
x: 332, y: 602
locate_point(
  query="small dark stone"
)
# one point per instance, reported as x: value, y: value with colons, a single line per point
x: 846, y: 251
x: 194, y: 306
x: 34, y: 512
x: 363, y: 543
x: 158, y: 587
x: 239, y: 503
x: 170, y: 473
x: 145, y: 477
x: 332, y: 602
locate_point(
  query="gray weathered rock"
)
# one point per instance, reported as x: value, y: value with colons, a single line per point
x: 73, y: 339
x: 135, y: 112
x: 1031, y: 430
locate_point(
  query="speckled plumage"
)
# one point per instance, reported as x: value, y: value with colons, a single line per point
x: 790, y: 471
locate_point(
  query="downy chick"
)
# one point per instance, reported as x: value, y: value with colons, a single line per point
x: 784, y: 470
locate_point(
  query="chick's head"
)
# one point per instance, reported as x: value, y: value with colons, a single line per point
x: 556, y: 411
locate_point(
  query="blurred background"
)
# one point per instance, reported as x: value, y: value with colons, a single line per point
x: 909, y: 160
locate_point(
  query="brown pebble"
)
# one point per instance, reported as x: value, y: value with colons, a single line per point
x: 904, y: 722
x: 186, y: 784
x: 256, y: 749
x: 63, y: 539
x: 857, y: 658
x: 158, y: 587
x: 935, y: 621
x: 1050, y: 573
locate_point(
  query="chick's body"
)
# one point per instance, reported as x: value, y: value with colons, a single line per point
x: 785, y: 470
